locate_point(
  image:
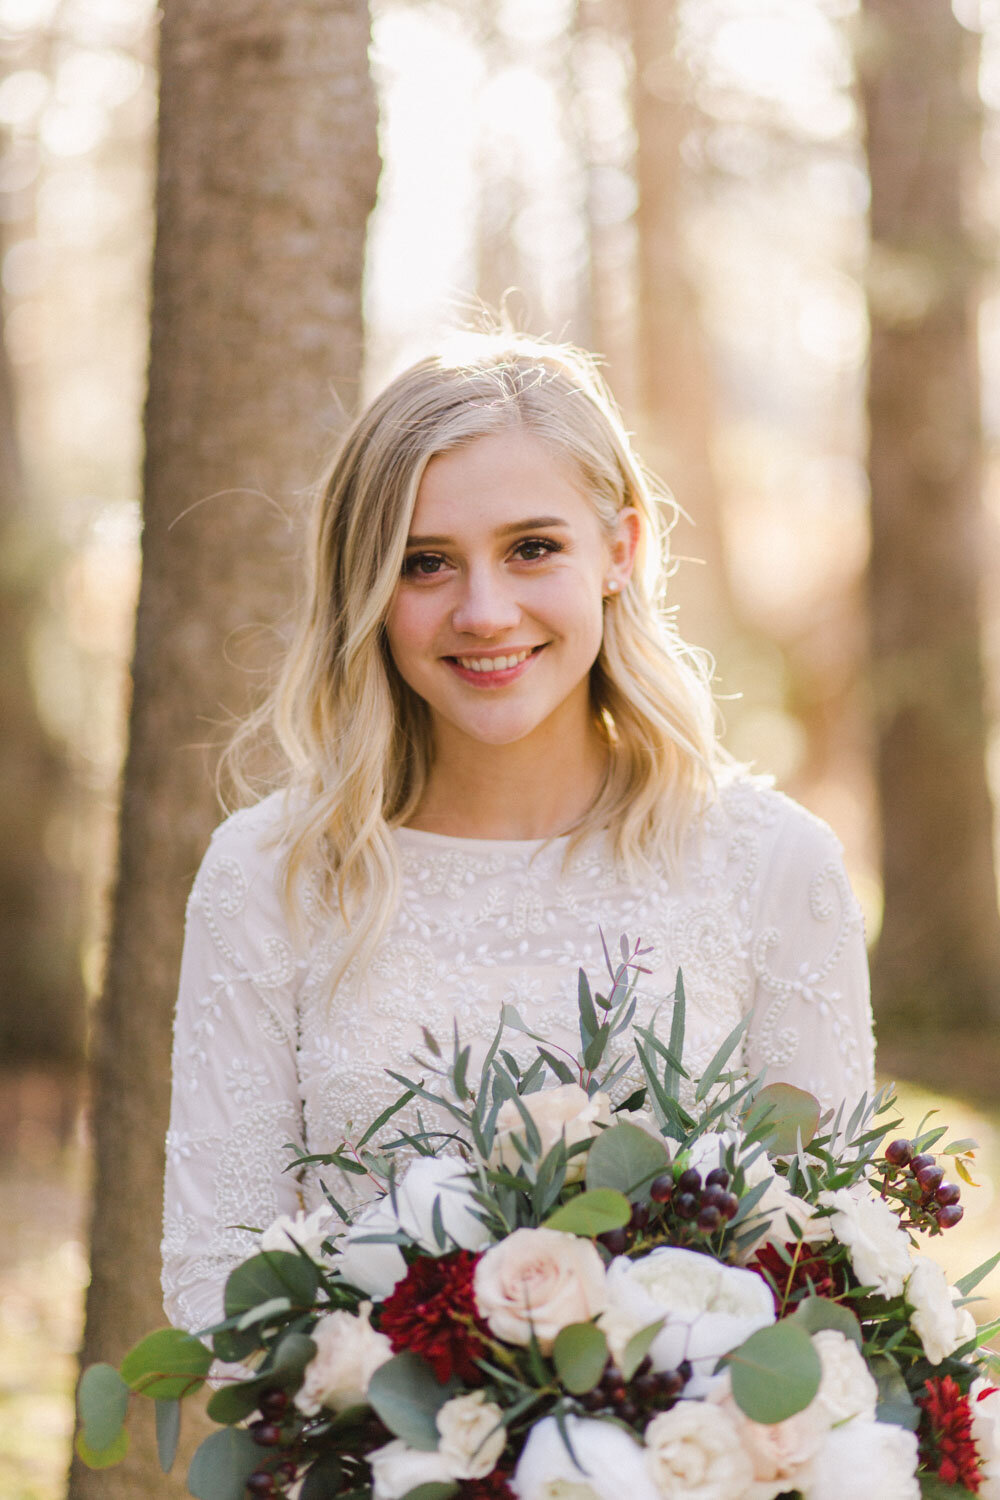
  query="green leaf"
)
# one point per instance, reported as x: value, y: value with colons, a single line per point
x: 103, y: 1458
x: 580, y: 1354
x: 780, y: 1113
x: 971, y: 1279
x: 957, y: 1148
x: 102, y: 1401
x: 710, y: 1076
x: 585, y: 1004
x: 672, y: 1079
x: 407, y: 1397
x: 591, y: 1213
x: 273, y: 1273
x: 231, y: 1403
x: 323, y: 1479
x: 638, y: 1347
x: 223, y: 1463
x: 434, y: 1489
x: 268, y: 1309
x: 775, y: 1372
x: 168, y: 1431
x: 895, y: 1404
x: 934, y: 1488
x: 166, y: 1364
x: 290, y: 1359
x: 817, y: 1313
x: 627, y: 1158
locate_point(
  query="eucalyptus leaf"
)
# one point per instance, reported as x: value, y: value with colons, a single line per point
x: 775, y: 1372
x: 166, y: 1364
x: 102, y: 1401
x: 779, y: 1114
x: 323, y: 1478
x: 407, y: 1397
x: 103, y: 1458
x: 273, y: 1273
x: 168, y: 1431
x: 591, y: 1213
x: 580, y: 1354
x: 269, y: 1309
x: 817, y: 1313
x: 434, y: 1489
x: 627, y: 1158
x: 222, y: 1464
x: 895, y: 1404
x: 638, y: 1347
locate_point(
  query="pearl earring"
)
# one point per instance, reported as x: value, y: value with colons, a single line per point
x: 612, y: 585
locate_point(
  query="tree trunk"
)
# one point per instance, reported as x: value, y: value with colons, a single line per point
x: 938, y: 957
x: 267, y: 170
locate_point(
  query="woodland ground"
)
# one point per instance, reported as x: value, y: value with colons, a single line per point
x: 43, y: 1276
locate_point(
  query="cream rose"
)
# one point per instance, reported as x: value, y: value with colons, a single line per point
x: 862, y: 1459
x: 984, y: 1402
x: 348, y: 1352
x: 879, y: 1248
x: 306, y: 1230
x: 565, y: 1113
x: 398, y: 1469
x: 472, y: 1435
x: 538, y: 1280
x: 846, y: 1388
x: 693, y: 1452
x: 612, y: 1464
x: 779, y: 1453
x: 939, y: 1324
x: 709, y: 1307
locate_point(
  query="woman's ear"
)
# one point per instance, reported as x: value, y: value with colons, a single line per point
x: 622, y: 545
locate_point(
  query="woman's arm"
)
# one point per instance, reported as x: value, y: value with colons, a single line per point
x: 811, y: 1023
x: 235, y: 1101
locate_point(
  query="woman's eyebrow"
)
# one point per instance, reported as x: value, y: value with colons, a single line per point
x: 533, y: 523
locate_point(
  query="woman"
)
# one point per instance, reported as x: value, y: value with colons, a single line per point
x: 497, y: 747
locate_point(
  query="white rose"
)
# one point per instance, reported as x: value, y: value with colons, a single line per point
x: 539, y: 1280
x: 939, y: 1324
x: 375, y: 1268
x: 846, y: 1388
x: 306, y: 1230
x: 710, y: 1308
x: 984, y: 1402
x: 862, y: 1459
x: 472, y: 1435
x: 397, y: 1469
x: 612, y: 1464
x: 348, y: 1352
x: 565, y: 1113
x: 779, y: 1453
x: 693, y: 1452
x: 879, y: 1248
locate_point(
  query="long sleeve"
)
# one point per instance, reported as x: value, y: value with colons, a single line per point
x: 811, y: 1023
x: 235, y: 1101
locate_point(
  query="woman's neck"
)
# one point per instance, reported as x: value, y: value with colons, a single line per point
x: 511, y: 791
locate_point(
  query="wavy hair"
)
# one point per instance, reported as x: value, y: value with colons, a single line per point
x: 356, y: 742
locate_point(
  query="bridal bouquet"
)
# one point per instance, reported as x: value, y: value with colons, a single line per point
x: 705, y: 1290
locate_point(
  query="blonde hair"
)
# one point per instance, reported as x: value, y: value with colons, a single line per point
x: 356, y: 741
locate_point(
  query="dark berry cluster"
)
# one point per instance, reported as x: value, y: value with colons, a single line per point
x: 919, y: 1180
x: 268, y: 1431
x: 648, y: 1392
x: 681, y: 1210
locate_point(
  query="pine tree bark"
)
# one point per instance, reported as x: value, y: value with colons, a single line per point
x: 937, y: 964
x: 267, y: 169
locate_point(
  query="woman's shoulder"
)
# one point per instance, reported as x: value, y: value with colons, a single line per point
x: 244, y: 854
x: 751, y: 805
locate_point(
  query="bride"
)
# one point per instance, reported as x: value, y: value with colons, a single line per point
x: 497, y: 748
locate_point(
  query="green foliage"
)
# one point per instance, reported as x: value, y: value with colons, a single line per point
x: 433, y: 1490
x: 407, y: 1397
x: 166, y: 1364
x: 102, y: 1401
x: 775, y: 1372
x: 895, y: 1403
x: 817, y: 1313
x: 638, y: 1347
x: 266, y: 1277
x: 103, y: 1458
x: 222, y: 1464
x: 782, y: 1116
x: 168, y: 1431
x: 627, y: 1158
x: 591, y: 1213
x: 580, y: 1354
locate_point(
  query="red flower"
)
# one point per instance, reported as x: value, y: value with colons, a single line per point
x: 432, y: 1312
x: 946, y: 1443
x: 494, y: 1487
x: 808, y: 1274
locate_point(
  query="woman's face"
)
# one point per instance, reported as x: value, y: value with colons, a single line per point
x: 498, y: 616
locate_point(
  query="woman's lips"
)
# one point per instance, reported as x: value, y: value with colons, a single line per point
x: 478, y: 670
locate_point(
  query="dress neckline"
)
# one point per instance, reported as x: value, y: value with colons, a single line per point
x: 422, y: 838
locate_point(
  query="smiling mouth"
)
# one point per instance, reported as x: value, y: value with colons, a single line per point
x: 489, y: 666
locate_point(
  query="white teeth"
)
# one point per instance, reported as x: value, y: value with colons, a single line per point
x: 492, y: 663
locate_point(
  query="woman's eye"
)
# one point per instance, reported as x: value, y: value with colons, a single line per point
x: 422, y: 565
x: 536, y: 546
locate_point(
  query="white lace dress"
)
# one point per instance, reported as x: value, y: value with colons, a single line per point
x: 764, y: 922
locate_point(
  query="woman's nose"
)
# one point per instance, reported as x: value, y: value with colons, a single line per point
x: 487, y: 605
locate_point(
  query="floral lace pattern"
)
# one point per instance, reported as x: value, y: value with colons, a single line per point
x: 763, y: 922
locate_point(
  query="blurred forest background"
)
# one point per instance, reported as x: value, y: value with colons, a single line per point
x: 778, y: 220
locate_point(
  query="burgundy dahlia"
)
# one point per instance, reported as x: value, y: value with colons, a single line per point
x: 432, y: 1312
x: 808, y: 1274
x: 494, y: 1487
x: 947, y: 1446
